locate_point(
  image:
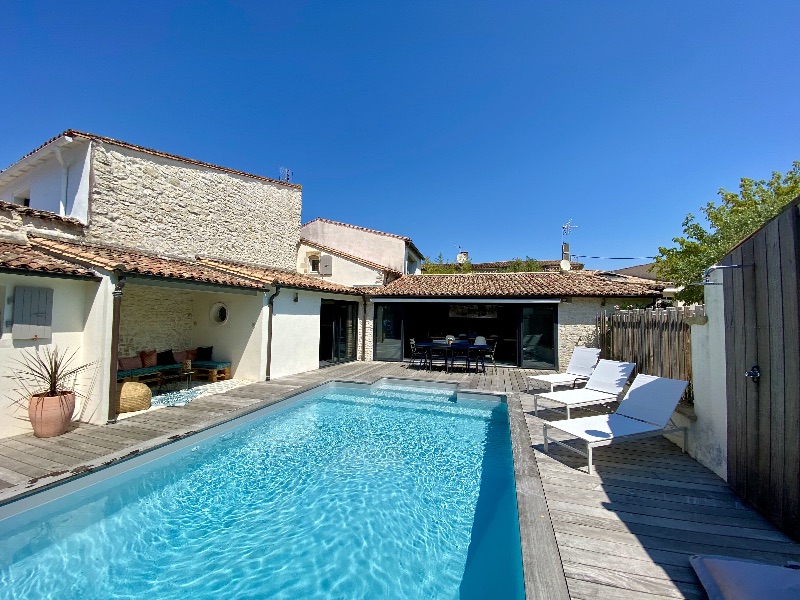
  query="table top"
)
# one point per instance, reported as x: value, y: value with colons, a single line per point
x: 457, y: 345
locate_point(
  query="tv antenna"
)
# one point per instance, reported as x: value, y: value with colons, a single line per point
x: 566, y: 228
x: 286, y: 174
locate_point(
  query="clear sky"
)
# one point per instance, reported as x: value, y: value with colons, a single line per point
x: 484, y: 125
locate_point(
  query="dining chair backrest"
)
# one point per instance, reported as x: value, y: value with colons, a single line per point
x: 413, y: 343
x: 450, y: 338
x: 480, y: 340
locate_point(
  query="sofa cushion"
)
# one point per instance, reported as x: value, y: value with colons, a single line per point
x: 127, y: 363
x: 181, y: 356
x: 165, y: 358
x: 204, y: 352
x: 149, y: 358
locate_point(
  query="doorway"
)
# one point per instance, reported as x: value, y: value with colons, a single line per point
x: 338, y: 331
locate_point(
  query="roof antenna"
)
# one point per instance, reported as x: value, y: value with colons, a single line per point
x: 565, y: 263
x: 286, y: 174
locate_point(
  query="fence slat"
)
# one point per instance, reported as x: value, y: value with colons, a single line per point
x: 658, y: 340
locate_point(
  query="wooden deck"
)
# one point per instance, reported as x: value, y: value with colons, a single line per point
x: 625, y: 532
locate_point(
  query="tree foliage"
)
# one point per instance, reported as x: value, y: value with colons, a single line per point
x: 440, y: 267
x: 521, y: 265
x: 731, y: 221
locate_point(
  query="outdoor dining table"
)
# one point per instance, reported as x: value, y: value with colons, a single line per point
x: 448, y: 351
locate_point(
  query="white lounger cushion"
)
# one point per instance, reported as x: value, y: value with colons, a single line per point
x: 559, y: 378
x: 652, y: 399
x: 610, y: 376
x: 602, y: 427
x: 583, y: 361
x: 578, y: 397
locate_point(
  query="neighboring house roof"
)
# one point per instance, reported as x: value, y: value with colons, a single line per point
x: 272, y: 276
x: 521, y: 285
x: 39, y: 214
x: 355, y: 259
x: 107, y: 140
x: 407, y: 240
x: 641, y: 271
x: 17, y: 257
x: 132, y: 262
x: 493, y: 267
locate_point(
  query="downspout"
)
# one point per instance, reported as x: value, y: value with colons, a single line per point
x: 364, y: 329
x: 115, y: 319
x: 271, y: 304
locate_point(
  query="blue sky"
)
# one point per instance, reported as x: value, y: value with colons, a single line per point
x: 485, y: 125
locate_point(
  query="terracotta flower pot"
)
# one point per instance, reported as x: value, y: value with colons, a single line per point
x: 51, y: 415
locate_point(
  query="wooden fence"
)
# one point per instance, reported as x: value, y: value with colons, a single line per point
x: 657, y: 340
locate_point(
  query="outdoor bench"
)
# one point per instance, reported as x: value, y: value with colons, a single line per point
x: 211, y: 370
x: 146, y: 374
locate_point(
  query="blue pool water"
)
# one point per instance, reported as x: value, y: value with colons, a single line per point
x: 388, y: 492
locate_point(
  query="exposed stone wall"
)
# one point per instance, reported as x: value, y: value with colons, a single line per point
x: 576, y: 326
x: 369, y: 322
x: 14, y: 224
x: 164, y: 206
x: 154, y: 318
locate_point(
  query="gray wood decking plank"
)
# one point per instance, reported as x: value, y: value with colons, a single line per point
x: 633, y: 582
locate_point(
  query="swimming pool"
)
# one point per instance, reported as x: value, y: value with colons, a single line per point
x: 385, y: 491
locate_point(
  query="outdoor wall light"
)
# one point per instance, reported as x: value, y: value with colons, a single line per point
x: 296, y: 297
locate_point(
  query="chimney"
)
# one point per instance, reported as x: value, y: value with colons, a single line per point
x: 462, y: 257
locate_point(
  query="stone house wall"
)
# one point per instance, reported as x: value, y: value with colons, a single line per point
x: 162, y: 205
x: 155, y: 318
x: 576, y: 325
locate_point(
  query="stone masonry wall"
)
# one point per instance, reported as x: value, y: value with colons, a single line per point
x: 161, y: 205
x: 370, y: 321
x: 154, y: 318
x: 576, y: 326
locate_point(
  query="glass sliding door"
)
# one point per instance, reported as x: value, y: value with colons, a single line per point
x: 338, y: 331
x: 388, y: 332
x: 538, y: 337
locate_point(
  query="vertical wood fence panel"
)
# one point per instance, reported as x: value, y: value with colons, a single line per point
x: 657, y: 340
x: 762, y: 327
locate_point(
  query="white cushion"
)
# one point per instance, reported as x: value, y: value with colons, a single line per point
x: 578, y: 397
x: 602, y: 427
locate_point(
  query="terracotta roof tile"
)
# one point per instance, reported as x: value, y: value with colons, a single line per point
x: 15, y: 256
x: 121, y: 144
x: 133, y: 262
x: 356, y: 259
x: 521, y: 285
x: 273, y: 276
x: 39, y: 214
x: 547, y: 265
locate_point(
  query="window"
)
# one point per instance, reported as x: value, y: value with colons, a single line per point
x: 23, y: 197
x: 219, y: 313
x: 313, y: 264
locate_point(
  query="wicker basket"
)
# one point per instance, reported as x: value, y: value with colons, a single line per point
x: 132, y: 396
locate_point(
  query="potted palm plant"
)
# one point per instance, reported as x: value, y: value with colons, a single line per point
x: 47, y: 379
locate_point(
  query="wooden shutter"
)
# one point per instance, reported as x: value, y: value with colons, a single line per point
x: 33, y: 313
x: 326, y: 264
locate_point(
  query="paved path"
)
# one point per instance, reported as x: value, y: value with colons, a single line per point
x: 625, y: 532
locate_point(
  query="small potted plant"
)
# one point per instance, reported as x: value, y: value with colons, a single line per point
x: 47, y: 380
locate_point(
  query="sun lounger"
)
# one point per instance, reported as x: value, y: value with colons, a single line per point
x: 605, y: 385
x: 726, y: 578
x: 579, y: 369
x: 644, y: 411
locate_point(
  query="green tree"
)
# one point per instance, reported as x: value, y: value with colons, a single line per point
x: 440, y: 267
x: 731, y: 221
x: 520, y: 265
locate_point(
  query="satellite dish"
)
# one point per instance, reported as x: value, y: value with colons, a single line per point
x: 565, y: 265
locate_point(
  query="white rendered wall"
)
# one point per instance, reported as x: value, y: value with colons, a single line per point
x: 77, y: 307
x: 45, y: 181
x: 99, y: 307
x: 343, y: 270
x: 374, y: 247
x: 295, y: 333
x: 241, y: 340
x: 708, y: 436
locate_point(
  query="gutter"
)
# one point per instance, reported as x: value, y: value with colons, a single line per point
x: 271, y: 304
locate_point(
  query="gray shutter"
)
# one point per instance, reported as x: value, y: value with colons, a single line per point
x: 33, y: 313
x: 326, y: 264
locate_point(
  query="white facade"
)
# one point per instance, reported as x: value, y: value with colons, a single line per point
x: 391, y: 251
x: 55, y: 179
x: 80, y: 323
x: 345, y: 271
